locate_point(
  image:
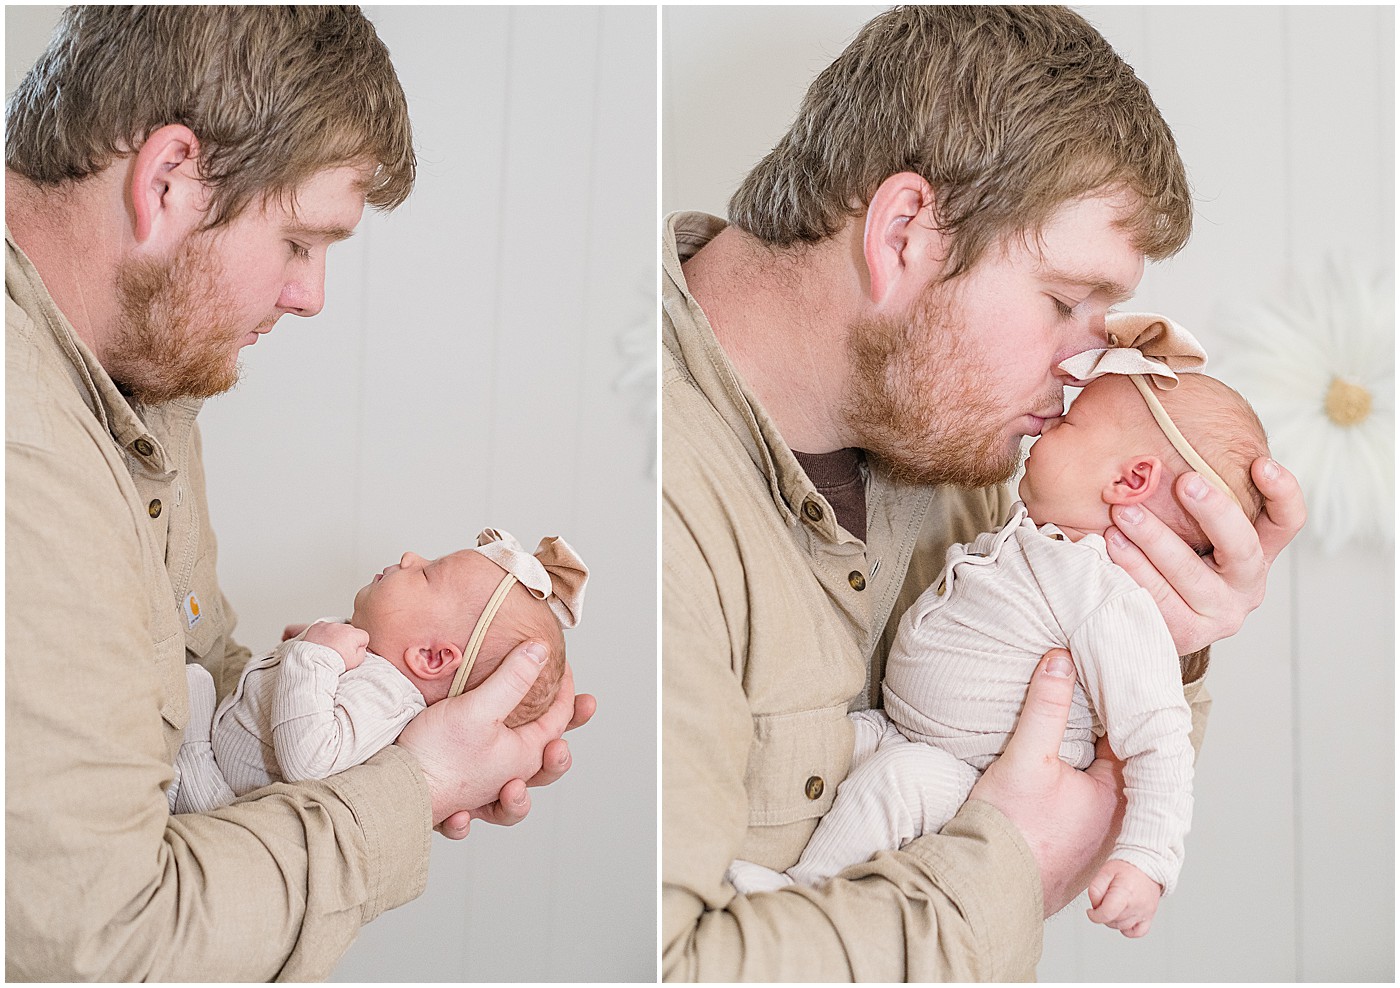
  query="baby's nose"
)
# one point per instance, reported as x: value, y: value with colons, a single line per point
x: 409, y: 559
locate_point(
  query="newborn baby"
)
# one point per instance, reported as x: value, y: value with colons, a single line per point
x: 421, y: 631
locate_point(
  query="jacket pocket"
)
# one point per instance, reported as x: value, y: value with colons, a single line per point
x: 795, y: 764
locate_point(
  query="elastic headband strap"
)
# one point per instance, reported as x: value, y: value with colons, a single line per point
x: 1178, y: 441
x: 459, y: 681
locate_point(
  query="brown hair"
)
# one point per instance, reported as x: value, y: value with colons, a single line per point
x: 273, y: 93
x: 1008, y: 112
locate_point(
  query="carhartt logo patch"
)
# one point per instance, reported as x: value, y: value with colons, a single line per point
x: 192, y: 609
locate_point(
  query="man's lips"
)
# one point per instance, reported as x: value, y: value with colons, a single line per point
x: 262, y: 330
x: 1035, y: 423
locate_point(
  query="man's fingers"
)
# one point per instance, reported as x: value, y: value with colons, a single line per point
x: 502, y: 691
x: 456, y: 826
x: 554, y: 763
x: 1284, y: 511
x: 585, y: 706
x: 1239, y: 558
x: 1041, y: 726
x: 512, y: 806
x: 1176, y: 565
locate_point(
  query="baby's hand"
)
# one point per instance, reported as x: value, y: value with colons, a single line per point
x: 1124, y: 899
x: 349, y: 641
x: 292, y: 630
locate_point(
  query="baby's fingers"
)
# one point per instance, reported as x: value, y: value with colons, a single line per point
x: 1112, y: 903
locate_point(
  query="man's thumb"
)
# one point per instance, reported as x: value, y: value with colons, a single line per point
x: 1043, y: 719
x: 502, y: 691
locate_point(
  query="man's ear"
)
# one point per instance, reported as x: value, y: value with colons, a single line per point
x: 1135, y: 480
x: 904, y: 248
x: 433, y: 661
x: 168, y: 198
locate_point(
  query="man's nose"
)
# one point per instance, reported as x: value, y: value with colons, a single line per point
x: 1093, y: 337
x: 306, y: 293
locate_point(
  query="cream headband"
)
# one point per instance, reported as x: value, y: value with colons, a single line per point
x: 554, y: 574
x: 1143, y: 346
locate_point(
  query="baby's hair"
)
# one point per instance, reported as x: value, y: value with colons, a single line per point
x: 1223, y: 427
x: 521, y: 618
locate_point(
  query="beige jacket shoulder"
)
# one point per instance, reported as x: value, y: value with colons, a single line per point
x: 776, y: 622
x: 110, y: 589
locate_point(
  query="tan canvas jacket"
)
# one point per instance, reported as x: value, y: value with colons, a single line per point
x: 110, y: 589
x: 776, y: 624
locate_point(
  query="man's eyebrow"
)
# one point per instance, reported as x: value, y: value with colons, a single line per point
x: 330, y: 234
x: 1115, y: 292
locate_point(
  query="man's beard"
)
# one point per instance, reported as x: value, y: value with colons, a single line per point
x: 919, y: 398
x: 172, y: 342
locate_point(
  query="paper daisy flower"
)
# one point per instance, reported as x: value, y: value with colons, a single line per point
x: 1320, y: 371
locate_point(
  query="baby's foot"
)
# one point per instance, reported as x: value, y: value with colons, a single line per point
x: 747, y: 878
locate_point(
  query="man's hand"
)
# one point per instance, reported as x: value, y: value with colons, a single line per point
x: 468, y: 754
x: 1068, y: 817
x: 1123, y: 898
x: 1206, y: 598
x: 347, y: 640
x: 513, y: 803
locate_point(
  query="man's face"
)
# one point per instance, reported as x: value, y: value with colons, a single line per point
x: 946, y: 394
x: 184, y: 321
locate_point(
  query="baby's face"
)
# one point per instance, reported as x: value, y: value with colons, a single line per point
x: 1078, y: 456
x: 404, y: 599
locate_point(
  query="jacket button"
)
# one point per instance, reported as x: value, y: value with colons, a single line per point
x: 812, y: 510
x: 144, y: 447
x: 153, y: 509
x: 815, y: 787
x: 857, y: 580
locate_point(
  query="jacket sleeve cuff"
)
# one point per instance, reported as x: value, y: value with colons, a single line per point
x: 390, y: 800
x: 988, y: 870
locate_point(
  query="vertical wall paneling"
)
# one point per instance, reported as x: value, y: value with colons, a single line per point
x: 1340, y: 176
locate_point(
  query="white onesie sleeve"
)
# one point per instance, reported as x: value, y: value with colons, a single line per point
x: 325, y: 719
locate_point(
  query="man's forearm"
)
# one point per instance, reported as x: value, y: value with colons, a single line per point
x: 275, y: 886
x: 960, y: 906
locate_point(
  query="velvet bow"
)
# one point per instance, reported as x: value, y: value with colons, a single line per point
x: 554, y: 573
x: 1142, y: 343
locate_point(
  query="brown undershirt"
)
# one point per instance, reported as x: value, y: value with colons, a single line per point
x: 841, y: 480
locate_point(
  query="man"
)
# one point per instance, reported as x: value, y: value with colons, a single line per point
x: 175, y: 177
x: 849, y: 370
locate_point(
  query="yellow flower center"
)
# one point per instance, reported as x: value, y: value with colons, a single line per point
x: 1347, y: 404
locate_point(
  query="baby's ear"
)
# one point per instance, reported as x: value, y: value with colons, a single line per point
x: 1135, y: 480
x: 435, y: 662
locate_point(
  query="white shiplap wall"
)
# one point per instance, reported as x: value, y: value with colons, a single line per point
x: 1284, y: 116
x: 475, y: 365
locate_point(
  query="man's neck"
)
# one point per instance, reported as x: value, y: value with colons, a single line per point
x: 781, y: 318
x: 72, y: 237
